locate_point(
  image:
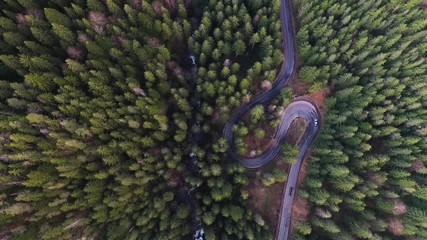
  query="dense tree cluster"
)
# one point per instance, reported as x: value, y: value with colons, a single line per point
x: 230, y: 32
x: 93, y: 127
x: 367, y: 177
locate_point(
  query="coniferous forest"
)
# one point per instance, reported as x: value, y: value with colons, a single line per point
x: 112, y: 115
x: 367, y: 177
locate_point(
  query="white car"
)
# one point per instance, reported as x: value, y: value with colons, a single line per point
x: 193, y: 59
x: 199, y: 235
x: 315, y: 122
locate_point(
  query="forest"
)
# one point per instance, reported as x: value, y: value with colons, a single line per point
x: 99, y: 105
x: 366, y: 177
x: 94, y: 119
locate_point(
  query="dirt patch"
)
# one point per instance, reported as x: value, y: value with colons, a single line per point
x: 296, y: 131
x: 299, y: 88
x: 300, y: 209
x: 304, y: 169
x: 257, y: 194
x: 246, y: 118
x: 267, y: 143
x: 251, y: 142
x: 320, y: 96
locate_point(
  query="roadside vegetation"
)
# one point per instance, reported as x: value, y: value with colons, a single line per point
x: 366, y: 177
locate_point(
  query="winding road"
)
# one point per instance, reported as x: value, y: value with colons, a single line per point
x: 297, y: 109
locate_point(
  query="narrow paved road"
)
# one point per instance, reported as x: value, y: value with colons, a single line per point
x: 297, y: 109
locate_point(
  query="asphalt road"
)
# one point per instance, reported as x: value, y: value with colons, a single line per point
x: 297, y: 109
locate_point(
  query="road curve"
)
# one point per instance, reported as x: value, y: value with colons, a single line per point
x: 297, y: 109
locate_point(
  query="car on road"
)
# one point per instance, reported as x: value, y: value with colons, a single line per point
x: 193, y: 59
x: 200, y: 233
x: 315, y: 122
